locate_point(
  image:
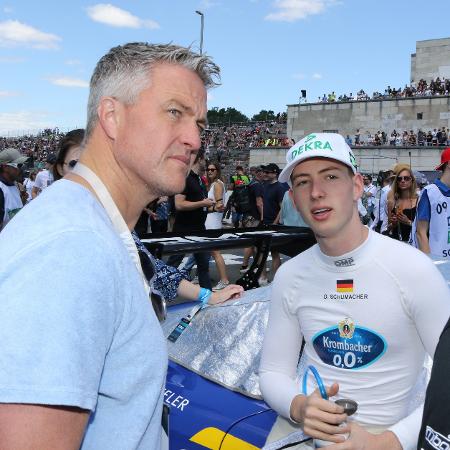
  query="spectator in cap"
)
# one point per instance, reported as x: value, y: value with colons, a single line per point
x: 44, y: 178
x: 272, y: 199
x: 237, y: 182
x: 11, y: 161
x: 431, y: 228
x: 254, y: 216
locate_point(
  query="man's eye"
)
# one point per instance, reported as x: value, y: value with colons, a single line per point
x: 175, y: 112
x: 300, y: 183
x: 331, y: 177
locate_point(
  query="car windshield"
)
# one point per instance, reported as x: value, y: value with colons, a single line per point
x: 223, y: 343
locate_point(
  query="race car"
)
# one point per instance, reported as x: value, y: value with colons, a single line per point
x: 212, y: 384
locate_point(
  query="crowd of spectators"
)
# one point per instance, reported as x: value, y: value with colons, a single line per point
x: 421, y: 89
x: 405, y: 138
x: 247, y: 135
x: 37, y: 147
x: 239, y: 136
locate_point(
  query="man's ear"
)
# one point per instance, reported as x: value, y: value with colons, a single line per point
x: 358, y: 186
x: 109, y: 115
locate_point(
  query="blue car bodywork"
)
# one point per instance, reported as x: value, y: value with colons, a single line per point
x: 205, y: 413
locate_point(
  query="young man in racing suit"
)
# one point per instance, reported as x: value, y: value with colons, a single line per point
x: 367, y: 318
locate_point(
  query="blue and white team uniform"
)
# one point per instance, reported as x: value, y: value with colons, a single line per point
x: 434, y: 208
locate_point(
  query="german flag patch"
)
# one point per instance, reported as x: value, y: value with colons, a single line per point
x: 344, y: 286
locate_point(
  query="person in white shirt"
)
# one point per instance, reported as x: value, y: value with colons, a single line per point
x: 380, y: 222
x: 366, y: 318
x: 28, y: 184
x: 369, y: 196
x: 44, y: 178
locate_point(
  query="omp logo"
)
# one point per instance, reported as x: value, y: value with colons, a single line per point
x: 437, y: 440
x: 344, y: 262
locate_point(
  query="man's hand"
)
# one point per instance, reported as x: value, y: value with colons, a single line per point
x: 360, y: 439
x: 208, y: 202
x: 320, y: 418
x: 231, y: 292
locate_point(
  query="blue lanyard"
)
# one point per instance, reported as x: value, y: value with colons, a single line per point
x: 319, y: 382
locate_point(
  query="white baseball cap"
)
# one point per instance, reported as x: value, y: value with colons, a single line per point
x: 318, y: 145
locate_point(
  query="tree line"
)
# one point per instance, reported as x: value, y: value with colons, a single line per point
x: 230, y: 115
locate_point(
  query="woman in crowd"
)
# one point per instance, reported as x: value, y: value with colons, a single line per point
x: 214, y: 220
x: 69, y: 152
x: 402, y: 202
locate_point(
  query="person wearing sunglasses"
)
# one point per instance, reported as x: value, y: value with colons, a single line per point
x: 69, y: 153
x: 216, y: 192
x: 402, y: 202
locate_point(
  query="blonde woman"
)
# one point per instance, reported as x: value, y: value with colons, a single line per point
x: 402, y: 202
x: 216, y: 192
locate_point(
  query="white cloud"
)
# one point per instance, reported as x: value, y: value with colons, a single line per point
x: 8, y: 94
x: 207, y: 4
x: 22, y: 122
x: 317, y: 76
x: 11, y: 60
x: 68, y: 82
x: 73, y: 62
x: 293, y: 10
x: 117, y: 17
x: 13, y: 32
x: 299, y: 76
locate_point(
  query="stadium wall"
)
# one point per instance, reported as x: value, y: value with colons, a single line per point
x: 431, y: 60
x: 371, y: 115
x: 369, y: 159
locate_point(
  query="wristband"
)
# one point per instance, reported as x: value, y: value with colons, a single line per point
x: 203, y: 295
x: 319, y: 382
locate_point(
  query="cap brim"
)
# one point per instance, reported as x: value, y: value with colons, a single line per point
x: 439, y: 167
x: 20, y: 160
x: 285, y: 175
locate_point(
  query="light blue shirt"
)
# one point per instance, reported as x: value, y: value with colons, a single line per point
x: 76, y: 325
x: 289, y: 214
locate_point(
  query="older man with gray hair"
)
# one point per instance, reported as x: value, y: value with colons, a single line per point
x: 83, y: 354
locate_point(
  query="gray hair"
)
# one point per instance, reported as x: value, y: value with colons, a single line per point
x: 124, y: 72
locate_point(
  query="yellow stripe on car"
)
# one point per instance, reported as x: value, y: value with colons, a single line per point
x: 212, y: 438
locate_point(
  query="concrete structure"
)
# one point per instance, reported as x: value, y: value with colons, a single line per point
x: 431, y: 60
x: 369, y: 159
x: 369, y: 116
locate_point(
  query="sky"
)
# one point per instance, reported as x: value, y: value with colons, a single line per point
x: 268, y: 50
